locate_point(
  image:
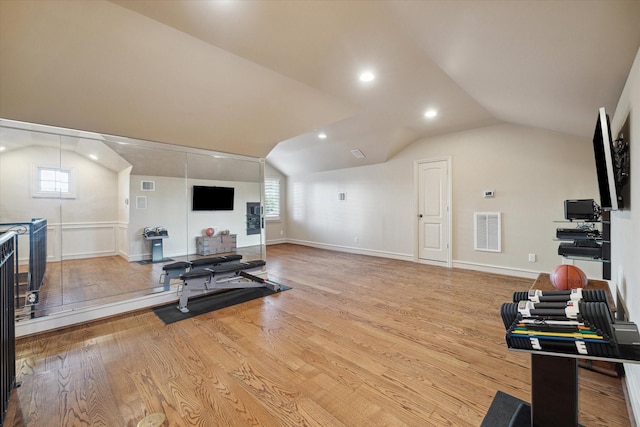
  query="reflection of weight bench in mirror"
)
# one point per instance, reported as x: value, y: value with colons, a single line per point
x: 229, y: 275
x: 175, y: 269
x: 209, y: 262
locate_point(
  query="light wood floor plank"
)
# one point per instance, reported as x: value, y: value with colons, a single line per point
x: 358, y: 341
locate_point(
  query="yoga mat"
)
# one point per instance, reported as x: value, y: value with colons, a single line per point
x: 169, y: 313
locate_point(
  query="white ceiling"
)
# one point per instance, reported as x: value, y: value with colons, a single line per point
x: 261, y: 78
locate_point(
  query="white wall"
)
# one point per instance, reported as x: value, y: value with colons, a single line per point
x: 625, y: 224
x: 165, y: 207
x: 532, y: 172
x: 169, y: 206
x: 96, y: 188
x: 82, y: 227
x: 276, y: 231
x: 377, y: 211
x: 234, y: 221
x: 124, y: 206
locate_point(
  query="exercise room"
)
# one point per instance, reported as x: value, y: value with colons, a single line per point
x: 327, y: 213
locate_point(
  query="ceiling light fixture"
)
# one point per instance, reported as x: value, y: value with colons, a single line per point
x: 322, y: 135
x: 93, y: 157
x: 430, y: 114
x: 367, y: 76
x: 2, y: 148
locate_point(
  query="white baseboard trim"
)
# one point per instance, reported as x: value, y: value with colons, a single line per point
x: 87, y: 314
x: 496, y: 269
x: 86, y: 255
x: 632, y: 382
x: 275, y: 242
x: 486, y: 268
x: 431, y: 262
x: 352, y: 250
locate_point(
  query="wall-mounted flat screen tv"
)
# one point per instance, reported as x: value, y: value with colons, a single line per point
x: 206, y: 198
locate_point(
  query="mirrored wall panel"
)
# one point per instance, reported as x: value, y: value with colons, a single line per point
x: 100, y: 217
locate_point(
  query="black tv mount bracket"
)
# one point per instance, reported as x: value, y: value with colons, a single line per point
x: 621, y: 160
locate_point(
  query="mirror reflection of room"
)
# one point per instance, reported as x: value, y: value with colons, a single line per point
x: 108, y: 214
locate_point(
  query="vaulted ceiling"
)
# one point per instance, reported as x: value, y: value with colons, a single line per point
x: 264, y: 78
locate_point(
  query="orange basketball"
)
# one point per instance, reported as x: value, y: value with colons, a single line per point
x: 209, y: 231
x: 565, y: 277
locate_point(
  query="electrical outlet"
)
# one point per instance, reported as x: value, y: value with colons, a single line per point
x: 355, y: 239
x: 281, y: 232
x: 532, y: 257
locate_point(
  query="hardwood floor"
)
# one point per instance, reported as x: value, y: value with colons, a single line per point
x: 358, y: 341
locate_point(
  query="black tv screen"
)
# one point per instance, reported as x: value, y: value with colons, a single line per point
x: 207, y: 198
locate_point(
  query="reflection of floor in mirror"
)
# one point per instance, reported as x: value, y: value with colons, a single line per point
x: 77, y: 283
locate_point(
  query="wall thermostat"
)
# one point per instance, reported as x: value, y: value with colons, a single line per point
x: 488, y: 193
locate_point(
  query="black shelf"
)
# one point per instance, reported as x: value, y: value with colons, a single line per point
x: 603, y: 239
x: 254, y: 219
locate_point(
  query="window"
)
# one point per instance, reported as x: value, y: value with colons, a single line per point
x: 272, y: 198
x: 52, y: 182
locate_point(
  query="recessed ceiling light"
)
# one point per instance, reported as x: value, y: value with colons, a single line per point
x: 430, y: 114
x: 2, y: 148
x: 367, y: 76
x: 93, y: 156
x: 322, y: 135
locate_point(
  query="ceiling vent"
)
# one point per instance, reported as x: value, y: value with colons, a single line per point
x: 487, y: 231
x: 357, y: 154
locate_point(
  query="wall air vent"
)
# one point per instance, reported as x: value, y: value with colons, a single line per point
x: 148, y: 186
x: 487, y: 231
x: 141, y: 202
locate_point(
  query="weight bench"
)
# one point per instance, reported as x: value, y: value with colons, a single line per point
x: 230, y: 275
x: 175, y: 269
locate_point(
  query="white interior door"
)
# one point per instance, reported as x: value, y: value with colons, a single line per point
x: 433, y: 211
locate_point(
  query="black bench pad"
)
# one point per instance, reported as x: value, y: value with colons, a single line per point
x: 215, y: 260
x: 237, y: 266
x: 227, y: 267
x: 176, y: 265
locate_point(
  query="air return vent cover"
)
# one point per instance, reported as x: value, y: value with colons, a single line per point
x: 487, y: 231
x: 148, y: 186
x: 141, y: 202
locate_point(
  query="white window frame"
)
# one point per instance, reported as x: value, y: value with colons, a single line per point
x: 268, y: 215
x: 36, y: 190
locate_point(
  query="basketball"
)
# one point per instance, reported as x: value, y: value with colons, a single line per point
x: 565, y: 277
x: 209, y: 231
